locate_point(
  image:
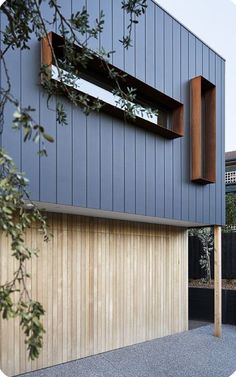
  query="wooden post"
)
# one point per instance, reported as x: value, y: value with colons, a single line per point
x: 217, y: 280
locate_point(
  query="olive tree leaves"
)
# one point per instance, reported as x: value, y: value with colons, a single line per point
x: 24, y: 18
x: 15, y: 219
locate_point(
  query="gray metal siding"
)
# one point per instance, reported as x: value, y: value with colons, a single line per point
x: 191, y: 74
x: 218, y: 206
x: 79, y: 158
x: 212, y: 73
x: 185, y: 150
x: 168, y: 79
x: 130, y: 170
x: 206, y: 188
x: 28, y: 96
x: 199, y: 191
x: 104, y: 163
x: 222, y: 128
x: 177, y: 179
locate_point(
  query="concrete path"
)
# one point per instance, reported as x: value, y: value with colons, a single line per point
x: 195, y: 353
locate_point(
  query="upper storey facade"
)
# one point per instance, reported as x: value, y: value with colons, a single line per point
x: 112, y: 167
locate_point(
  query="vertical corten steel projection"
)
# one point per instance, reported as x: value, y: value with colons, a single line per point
x: 203, y: 130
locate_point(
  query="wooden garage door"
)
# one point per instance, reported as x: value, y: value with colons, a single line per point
x: 104, y: 284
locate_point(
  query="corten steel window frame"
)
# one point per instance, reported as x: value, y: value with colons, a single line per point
x: 153, y: 97
x: 203, y: 131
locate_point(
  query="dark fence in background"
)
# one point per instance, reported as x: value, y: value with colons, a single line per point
x: 228, y: 257
x: 201, y: 305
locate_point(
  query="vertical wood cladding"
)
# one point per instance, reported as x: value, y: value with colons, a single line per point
x: 102, y: 162
x: 104, y: 284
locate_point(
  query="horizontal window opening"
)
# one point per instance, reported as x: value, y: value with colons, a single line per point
x: 154, y: 110
x: 104, y: 95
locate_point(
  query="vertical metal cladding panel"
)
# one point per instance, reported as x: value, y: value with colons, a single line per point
x: 48, y: 165
x: 185, y: 150
x: 168, y: 79
x: 93, y: 132
x: 141, y: 59
x: 105, y: 120
x: 140, y: 73
x: 160, y: 176
x: 130, y: 53
x: 150, y: 139
x: 93, y: 161
x: 159, y: 73
x: 30, y: 78
x: 199, y: 192
x: 150, y: 176
x: 64, y: 141
x: 129, y: 130
x: 219, y: 141
x: 130, y: 193
x: 11, y: 139
x: 79, y: 147
x: 64, y: 158
x: 47, y: 117
x: 1, y: 79
x: 105, y: 163
x: 118, y: 166
x: 79, y: 157
x: 212, y: 77
x: 159, y: 47
x: 206, y: 188
x: 140, y: 172
x: 192, y: 69
x: 177, y: 181
x: 118, y: 170
x: 150, y: 44
x: 117, y: 33
x: 222, y: 217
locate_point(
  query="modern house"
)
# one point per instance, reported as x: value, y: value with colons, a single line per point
x: 120, y: 195
x: 230, y: 171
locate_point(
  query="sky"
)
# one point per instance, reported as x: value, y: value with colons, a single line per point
x: 214, y: 21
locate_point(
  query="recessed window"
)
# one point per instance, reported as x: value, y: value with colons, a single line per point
x: 156, y: 111
x: 203, y: 130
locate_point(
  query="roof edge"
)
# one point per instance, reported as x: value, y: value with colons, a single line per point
x: 190, y: 31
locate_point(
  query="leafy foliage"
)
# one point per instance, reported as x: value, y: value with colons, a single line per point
x: 134, y: 9
x: 25, y: 18
x: 230, y: 203
x: 15, y: 219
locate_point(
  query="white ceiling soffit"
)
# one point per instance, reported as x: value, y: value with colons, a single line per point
x: 73, y: 210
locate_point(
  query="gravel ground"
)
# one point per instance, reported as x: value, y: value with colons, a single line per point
x: 195, y: 353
